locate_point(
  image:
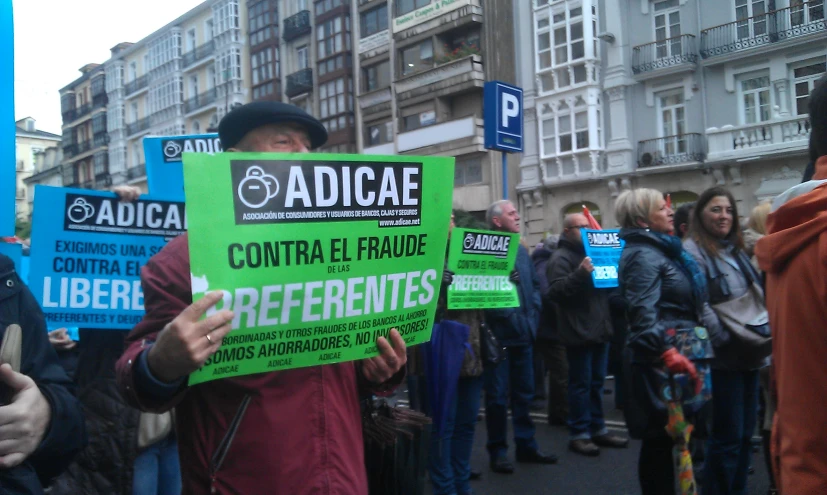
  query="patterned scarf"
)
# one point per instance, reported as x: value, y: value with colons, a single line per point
x: 672, y: 246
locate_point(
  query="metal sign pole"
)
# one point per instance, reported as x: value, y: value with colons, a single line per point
x: 505, y: 175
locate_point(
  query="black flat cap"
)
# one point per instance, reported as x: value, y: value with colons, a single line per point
x: 241, y: 120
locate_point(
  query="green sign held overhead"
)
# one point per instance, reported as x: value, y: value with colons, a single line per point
x: 481, y: 262
x: 317, y: 255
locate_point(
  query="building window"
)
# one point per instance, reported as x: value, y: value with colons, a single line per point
x: 417, y: 57
x: 332, y: 37
x: 468, y: 171
x: 209, y: 30
x: 324, y: 6
x: 191, y: 42
x: 262, y: 27
x: 302, y: 60
x: 115, y: 117
x: 672, y: 116
x: 100, y: 163
x: 379, y: 134
x: 133, y: 71
x: 374, y: 21
x: 99, y: 123
x: 225, y: 16
x: 134, y: 112
x: 566, y: 129
x: 755, y: 98
x: 333, y: 64
x: 340, y: 123
x: 263, y: 90
x: 568, y: 36
x: 751, y: 19
x: 667, y: 28
x: 405, y: 6
x: 196, y: 127
x: 264, y: 65
x: 804, y: 80
x: 335, y: 97
x: 418, y: 120
x: 377, y: 76
x: 302, y: 5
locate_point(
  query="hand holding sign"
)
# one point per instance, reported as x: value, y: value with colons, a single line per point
x: 23, y: 423
x: 187, y: 341
x: 389, y: 361
x: 587, y: 265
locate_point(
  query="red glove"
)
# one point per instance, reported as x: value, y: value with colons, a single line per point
x: 675, y: 362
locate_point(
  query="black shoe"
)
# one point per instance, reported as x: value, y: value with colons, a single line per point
x: 475, y: 475
x: 536, y: 457
x: 613, y: 441
x: 501, y: 465
x: 584, y: 447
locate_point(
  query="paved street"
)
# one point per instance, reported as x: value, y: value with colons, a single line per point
x: 614, y: 472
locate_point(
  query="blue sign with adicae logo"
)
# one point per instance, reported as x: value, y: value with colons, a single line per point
x: 8, y: 171
x: 164, y: 171
x: 604, y: 247
x: 87, y: 252
x: 503, y: 115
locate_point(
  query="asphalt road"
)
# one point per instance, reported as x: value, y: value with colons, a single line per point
x: 614, y: 472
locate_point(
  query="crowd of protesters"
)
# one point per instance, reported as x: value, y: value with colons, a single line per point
x: 725, y: 320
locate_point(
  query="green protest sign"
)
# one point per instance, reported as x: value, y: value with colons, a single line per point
x: 482, y: 261
x: 317, y: 255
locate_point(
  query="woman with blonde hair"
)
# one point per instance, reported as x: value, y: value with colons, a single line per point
x: 756, y: 228
x: 666, y: 296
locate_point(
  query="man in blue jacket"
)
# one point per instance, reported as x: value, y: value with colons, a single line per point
x: 41, y: 424
x: 516, y: 330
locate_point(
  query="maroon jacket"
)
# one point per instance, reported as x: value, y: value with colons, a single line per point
x: 283, y: 432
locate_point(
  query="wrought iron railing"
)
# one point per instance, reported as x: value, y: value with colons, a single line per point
x: 100, y: 139
x: 84, y: 146
x: 671, y: 150
x: 296, y: 25
x: 299, y: 82
x: 200, y: 53
x: 136, y: 85
x: 137, y: 126
x: 136, y: 172
x: 778, y: 25
x: 664, y: 53
x: 83, y: 110
x: 200, y: 100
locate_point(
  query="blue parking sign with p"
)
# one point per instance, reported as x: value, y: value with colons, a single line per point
x: 503, y: 112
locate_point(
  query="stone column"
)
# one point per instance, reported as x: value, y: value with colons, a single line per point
x: 783, y: 97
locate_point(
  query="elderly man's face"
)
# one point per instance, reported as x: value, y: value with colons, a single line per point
x: 275, y: 138
x: 509, y: 221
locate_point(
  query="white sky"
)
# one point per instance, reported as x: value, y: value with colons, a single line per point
x: 55, y: 38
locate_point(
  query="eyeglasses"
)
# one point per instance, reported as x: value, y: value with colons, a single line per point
x: 579, y: 227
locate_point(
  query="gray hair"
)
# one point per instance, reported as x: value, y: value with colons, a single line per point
x: 636, y: 204
x: 551, y: 242
x: 495, y: 210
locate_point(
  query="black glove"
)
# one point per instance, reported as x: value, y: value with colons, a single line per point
x: 514, y: 278
x: 447, y: 277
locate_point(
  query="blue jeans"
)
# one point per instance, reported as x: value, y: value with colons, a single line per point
x: 729, y: 448
x: 516, y: 373
x: 449, y: 461
x: 587, y: 372
x: 157, y: 471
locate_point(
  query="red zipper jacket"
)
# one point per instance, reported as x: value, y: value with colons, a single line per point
x: 284, y: 432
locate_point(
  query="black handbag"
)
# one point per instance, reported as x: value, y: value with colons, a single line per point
x: 491, y: 351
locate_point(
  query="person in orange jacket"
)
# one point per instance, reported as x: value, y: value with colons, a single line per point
x: 794, y: 255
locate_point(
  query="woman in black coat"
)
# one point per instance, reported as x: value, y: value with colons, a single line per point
x: 665, y: 293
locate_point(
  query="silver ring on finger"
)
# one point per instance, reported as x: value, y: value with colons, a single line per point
x: 209, y: 339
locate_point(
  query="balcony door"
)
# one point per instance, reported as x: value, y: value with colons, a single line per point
x: 667, y: 29
x: 803, y: 12
x: 672, y: 116
x: 751, y: 18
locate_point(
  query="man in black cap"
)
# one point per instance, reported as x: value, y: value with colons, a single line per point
x: 285, y: 432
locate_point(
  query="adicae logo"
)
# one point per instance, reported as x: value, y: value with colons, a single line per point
x: 468, y: 242
x: 257, y: 187
x: 172, y: 149
x: 80, y: 211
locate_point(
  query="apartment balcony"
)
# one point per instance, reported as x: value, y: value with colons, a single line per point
x: 799, y: 24
x: 70, y: 150
x: 83, y: 110
x: 665, y: 57
x: 136, y: 172
x: 299, y: 82
x: 103, y: 179
x: 100, y: 139
x: 69, y: 115
x: 137, y: 126
x: 777, y: 136
x: 296, y: 25
x: 88, y: 184
x: 671, y: 150
x: 200, y: 53
x: 462, y: 136
x: 99, y: 101
x: 445, y: 79
x: 136, y: 85
x: 84, y: 146
x: 200, y: 101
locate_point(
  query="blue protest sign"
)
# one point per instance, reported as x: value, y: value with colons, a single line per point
x: 164, y: 172
x: 604, y: 248
x: 8, y: 179
x: 87, y: 252
x: 503, y: 116
x: 14, y: 251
